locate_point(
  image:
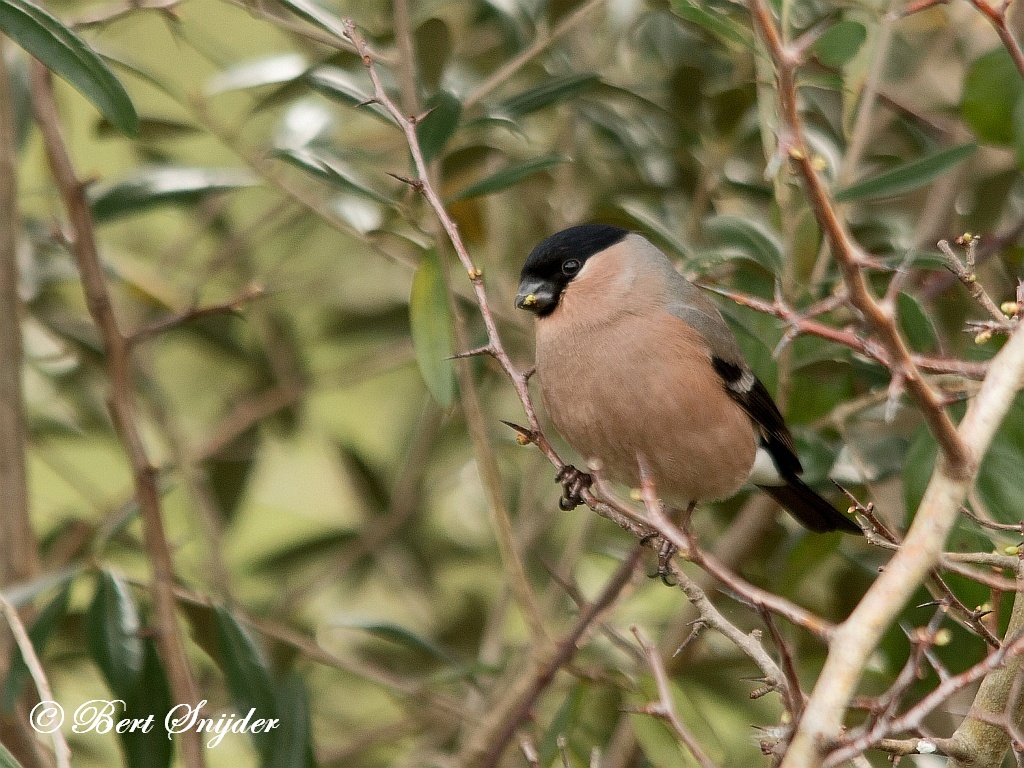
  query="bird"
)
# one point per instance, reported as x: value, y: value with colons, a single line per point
x: 636, y: 364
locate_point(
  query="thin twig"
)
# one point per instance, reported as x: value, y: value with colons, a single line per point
x: 35, y: 668
x: 665, y: 707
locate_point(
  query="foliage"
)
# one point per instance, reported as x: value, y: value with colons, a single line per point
x: 332, y: 504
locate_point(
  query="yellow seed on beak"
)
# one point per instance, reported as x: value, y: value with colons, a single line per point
x: 530, y: 300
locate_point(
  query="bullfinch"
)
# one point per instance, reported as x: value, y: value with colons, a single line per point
x: 635, y: 361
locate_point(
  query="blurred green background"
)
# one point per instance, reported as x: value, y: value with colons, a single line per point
x: 310, y: 477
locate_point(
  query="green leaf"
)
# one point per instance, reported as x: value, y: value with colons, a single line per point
x: 714, y: 22
x: 293, y: 740
x: 247, y: 675
x: 743, y: 238
x: 112, y: 632
x: 436, y: 129
x: 840, y: 43
x: 7, y: 759
x: 268, y: 70
x: 39, y: 633
x: 430, y: 319
x: 916, y: 324
x: 508, y: 177
x: 316, y: 15
x: 907, y: 177
x: 332, y: 170
x: 164, y: 185
x: 342, y: 86
x: 399, y: 635
x: 62, y: 51
x: 991, y: 91
x: 152, y: 698
x: 554, y: 90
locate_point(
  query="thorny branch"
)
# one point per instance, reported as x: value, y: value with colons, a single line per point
x: 884, y: 344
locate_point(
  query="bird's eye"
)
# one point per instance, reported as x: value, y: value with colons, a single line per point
x: 571, y: 266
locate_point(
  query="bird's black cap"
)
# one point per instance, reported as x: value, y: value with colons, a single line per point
x: 544, y: 278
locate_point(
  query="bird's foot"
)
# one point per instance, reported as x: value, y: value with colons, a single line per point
x: 574, y: 482
x: 666, y: 551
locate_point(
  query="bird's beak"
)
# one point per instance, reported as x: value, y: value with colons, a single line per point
x: 535, y: 296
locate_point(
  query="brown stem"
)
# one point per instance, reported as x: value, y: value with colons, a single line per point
x: 122, y: 401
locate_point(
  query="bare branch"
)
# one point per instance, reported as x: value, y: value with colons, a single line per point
x: 35, y: 668
x: 122, y: 402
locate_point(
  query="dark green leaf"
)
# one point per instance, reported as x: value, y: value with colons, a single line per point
x: 714, y: 22
x: 7, y: 759
x: 743, y: 238
x: 509, y: 177
x: 39, y: 633
x: 907, y: 177
x: 62, y: 51
x: 1000, y: 482
x: 293, y: 741
x: 150, y: 129
x: 992, y: 89
x: 840, y: 43
x: 151, y: 699
x: 317, y: 15
x: 433, y: 47
x: 916, y: 324
x: 163, y: 185
x: 305, y: 551
x: 248, y: 677
x: 332, y: 170
x: 430, y: 319
x: 438, y: 127
x: 554, y: 90
x: 268, y: 70
x: 228, y: 471
x: 401, y: 636
x: 112, y: 625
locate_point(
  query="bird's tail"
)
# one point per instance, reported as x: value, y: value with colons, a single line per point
x: 809, y: 508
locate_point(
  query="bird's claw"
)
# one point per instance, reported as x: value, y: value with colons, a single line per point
x: 574, y: 482
x: 666, y: 551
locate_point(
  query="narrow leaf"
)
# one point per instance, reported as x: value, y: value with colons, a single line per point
x: 438, y: 127
x: 916, y: 324
x: 717, y: 24
x: 431, y: 322
x: 341, y: 85
x: 554, y: 90
x: 161, y: 185
x: 746, y: 239
x: 293, y: 740
x: 509, y: 177
x: 247, y: 675
x: 151, y: 698
x: 907, y: 177
x: 316, y: 15
x: 112, y: 632
x: 64, y: 52
x: 270, y: 70
x: 331, y: 170
x: 402, y: 636
x: 7, y: 759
